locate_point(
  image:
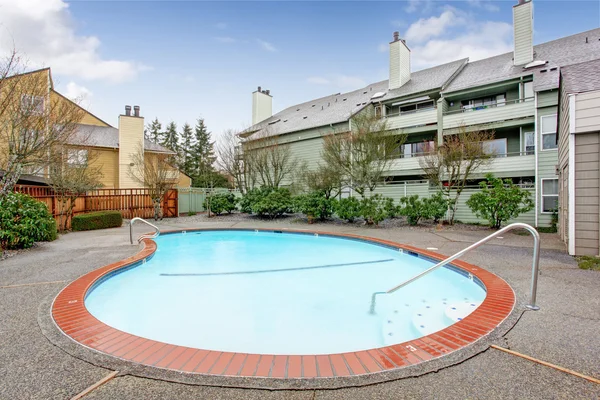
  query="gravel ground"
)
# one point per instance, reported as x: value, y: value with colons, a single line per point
x: 564, y: 331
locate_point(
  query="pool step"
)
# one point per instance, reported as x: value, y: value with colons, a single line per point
x: 427, y: 318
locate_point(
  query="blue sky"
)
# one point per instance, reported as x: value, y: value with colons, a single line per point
x: 180, y: 60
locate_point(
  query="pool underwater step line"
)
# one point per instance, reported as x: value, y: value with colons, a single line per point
x: 264, y: 271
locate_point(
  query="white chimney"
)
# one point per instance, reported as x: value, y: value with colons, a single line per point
x: 523, y: 32
x: 399, y: 62
x: 262, y: 105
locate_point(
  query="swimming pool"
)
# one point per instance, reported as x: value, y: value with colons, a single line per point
x: 280, y: 293
x: 221, y: 304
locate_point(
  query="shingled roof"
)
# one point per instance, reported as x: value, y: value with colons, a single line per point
x: 451, y: 77
x: 582, y: 77
x: 107, y: 136
x: 569, y: 50
x: 341, y: 106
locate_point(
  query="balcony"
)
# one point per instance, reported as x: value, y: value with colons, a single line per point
x: 503, y: 165
x: 487, y: 114
x: 522, y: 163
x: 411, y: 119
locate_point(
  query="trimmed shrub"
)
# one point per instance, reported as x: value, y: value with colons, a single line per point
x: 499, y: 201
x: 391, y: 210
x: 97, y: 220
x: 437, y: 206
x: 24, y: 221
x: 276, y: 203
x: 348, y: 209
x: 314, y: 205
x: 221, y: 202
x: 414, y: 209
x: 251, y: 197
x: 373, y: 209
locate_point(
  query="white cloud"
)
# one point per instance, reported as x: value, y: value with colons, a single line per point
x: 225, y: 39
x: 77, y: 92
x: 480, y: 40
x: 221, y: 25
x: 339, y: 81
x: 44, y: 31
x: 427, y: 28
x: 266, y: 45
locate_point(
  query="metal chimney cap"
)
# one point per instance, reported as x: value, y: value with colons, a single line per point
x: 127, y: 110
x: 396, y: 36
x: 136, y: 111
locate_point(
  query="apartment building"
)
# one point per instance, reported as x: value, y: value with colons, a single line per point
x: 114, y: 148
x: 579, y: 157
x: 514, y: 94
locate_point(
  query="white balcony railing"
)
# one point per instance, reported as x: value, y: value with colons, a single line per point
x: 486, y: 114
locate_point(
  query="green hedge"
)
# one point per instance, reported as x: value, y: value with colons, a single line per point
x: 97, y: 220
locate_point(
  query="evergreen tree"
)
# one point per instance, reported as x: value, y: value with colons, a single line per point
x: 185, y: 153
x: 154, y: 131
x: 170, y: 139
x: 202, y: 152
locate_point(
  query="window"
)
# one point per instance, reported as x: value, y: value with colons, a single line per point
x: 484, y: 102
x: 77, y: 157
x: 496, y: 146
x: 33, y: 104
x: 549, y: 195
x: 378, y: 111
x: 529, y: 143
x: 548, y: 129
x: 399, y: 109
x: 417, y: 149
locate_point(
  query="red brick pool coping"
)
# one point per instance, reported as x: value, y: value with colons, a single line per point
x: 74, y: 320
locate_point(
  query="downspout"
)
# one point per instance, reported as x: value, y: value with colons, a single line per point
x: 536, y: 152
x: 351, y: 157
x: 571, y: 206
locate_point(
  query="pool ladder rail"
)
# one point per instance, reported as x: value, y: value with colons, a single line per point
x: 145, y: 236
x: 517, y: 225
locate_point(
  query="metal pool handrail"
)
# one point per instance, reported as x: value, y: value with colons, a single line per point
x: 152, y: 236
x: 534, y: 267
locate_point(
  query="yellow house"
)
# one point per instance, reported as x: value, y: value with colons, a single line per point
x: 114, y: 148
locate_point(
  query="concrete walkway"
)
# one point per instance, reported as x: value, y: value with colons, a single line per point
x: 563, y: 332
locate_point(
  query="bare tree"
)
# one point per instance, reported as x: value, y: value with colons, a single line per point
x: 267, y: 161
x: 73, y: 173
x: 156, y: 172
x: 230, y: 159
x: 33, y: 120
x: 364, y: 154
x: 324, y: 179
x: 451, y: 165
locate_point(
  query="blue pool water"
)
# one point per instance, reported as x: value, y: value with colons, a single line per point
x: 274, y: 293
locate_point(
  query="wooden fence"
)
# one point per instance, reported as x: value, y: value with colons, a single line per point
x: 130, y: 202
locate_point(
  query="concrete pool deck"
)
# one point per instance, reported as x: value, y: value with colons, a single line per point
x: 563, y: 332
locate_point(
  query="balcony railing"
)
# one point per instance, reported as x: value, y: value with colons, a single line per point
x: 414, y: 118
x: 485, y: 114
x: 487, y: 106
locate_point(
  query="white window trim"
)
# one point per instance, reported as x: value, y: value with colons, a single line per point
x: 547, y: 195
x: 542, y: 133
